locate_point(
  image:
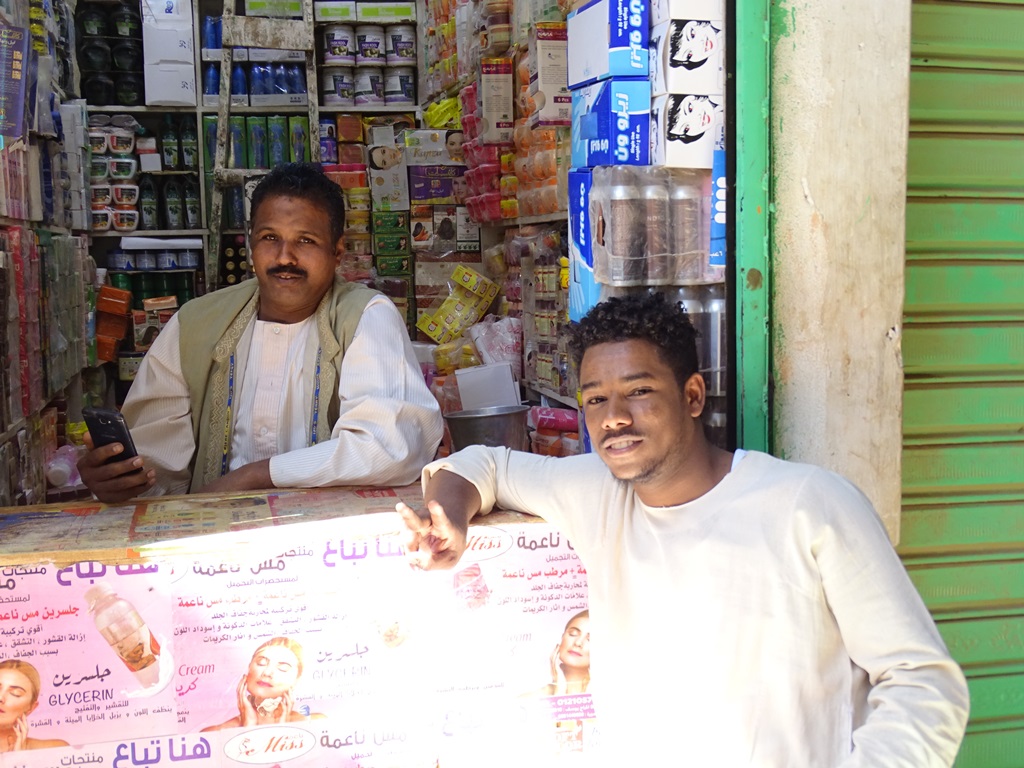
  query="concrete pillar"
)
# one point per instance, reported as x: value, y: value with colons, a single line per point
x: 839, y: 94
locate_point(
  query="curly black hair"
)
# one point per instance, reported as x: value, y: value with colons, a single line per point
x: 308, y: 182
x: 647, y: 317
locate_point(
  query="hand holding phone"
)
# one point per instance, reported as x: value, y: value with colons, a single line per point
x: 107, y: 426
x: 112, y: 476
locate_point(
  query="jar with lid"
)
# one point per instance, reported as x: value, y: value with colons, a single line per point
x: 125, y: 21
x: 92, y: 21
x: 98, y: 89
x: 127, y: 56
x: 94, y: 55
x: 129, y: 89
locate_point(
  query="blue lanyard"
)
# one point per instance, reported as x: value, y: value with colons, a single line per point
x: 316, y: 398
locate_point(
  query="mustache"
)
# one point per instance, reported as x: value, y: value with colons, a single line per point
x: 620, y: 435
x: 286, y: 269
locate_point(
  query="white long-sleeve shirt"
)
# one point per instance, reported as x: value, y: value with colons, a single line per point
x: 388, y: 427
x: 768, y: 623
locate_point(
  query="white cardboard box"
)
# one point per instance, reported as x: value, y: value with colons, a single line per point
x: 484, y: 386
x: 167, y: 44
x: 278, y: 100
x: 663, y: 10
x: 495, y: 88
x: 170, y: 85
x: 150, y: 162
x: 291, y: 9
x: 169, y: 54
x: 177, y: 12
x: 237, y: 100
x: 385, y: 12
x: 335, y: 10
x: 685, y: 129
x: 389, y: 187
x: 688, y: 56
x: 548, y: 65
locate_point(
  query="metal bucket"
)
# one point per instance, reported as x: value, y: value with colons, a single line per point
x: 500, y: 425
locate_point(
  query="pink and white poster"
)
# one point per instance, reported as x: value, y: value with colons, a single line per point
x: 309, y: 644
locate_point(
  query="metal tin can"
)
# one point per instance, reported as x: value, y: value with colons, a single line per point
x: 626, y: 231
x: 339, y: 44
x: 685, y: 217
x: 716, y: 342
x: 370, y: 45
x: 119, y: 260
x: 145, y: 260
x: 338, y: 86
x: 399, y: 85
x: 654, y: 193
x: 400, y: 45
x: 369, y: 85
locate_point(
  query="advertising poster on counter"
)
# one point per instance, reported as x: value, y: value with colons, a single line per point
x: 307, y: 644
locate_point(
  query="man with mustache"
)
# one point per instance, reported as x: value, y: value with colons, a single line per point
x: 750, y: 611
x: 294, y: 379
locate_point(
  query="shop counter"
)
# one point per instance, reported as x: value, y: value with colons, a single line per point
x: 284, y: 629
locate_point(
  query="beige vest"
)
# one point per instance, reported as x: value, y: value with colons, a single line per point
x: 215, y: 326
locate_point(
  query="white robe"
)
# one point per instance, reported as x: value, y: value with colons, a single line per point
x: 388, y: 428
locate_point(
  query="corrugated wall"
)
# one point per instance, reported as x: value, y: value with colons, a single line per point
x: 963, y: 350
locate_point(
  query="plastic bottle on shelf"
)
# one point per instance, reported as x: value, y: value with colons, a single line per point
x: 148, y: 204
x: 208, y: 33
x: 239, y: 83
x: 192, y: 206
x: 126, y: 632
x: 170, y: 145
x: 296, y: 79
x: 173, y: 204
x: 261, y: 80
x: 280, y: 78
x: 211, y: 80
x: 189, y: 144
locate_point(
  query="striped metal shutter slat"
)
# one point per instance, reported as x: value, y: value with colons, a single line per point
x: 962, y: 526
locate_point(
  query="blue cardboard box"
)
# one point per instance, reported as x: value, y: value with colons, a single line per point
x: 719, y: 200
x: 611, y: 123
x: 608, y: 38
x: 584, y: 291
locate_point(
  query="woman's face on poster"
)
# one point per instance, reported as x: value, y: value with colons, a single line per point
x: 15, y: 697
x: 574, y: 650
x: 273, y: 671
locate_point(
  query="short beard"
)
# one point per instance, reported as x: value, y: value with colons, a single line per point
x: 643, y: 475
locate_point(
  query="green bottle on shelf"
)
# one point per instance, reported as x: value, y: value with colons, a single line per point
x: 192, y: 207
x: 173, y: 204
x: 170, y: 145
x: 189, y: 145
x: 149, y: 205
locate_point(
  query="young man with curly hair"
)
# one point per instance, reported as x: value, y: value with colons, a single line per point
x: 746, y: 611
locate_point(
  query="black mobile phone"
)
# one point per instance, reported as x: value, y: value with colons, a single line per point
x: 108, y: 426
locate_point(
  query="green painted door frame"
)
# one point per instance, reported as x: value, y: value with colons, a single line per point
x: 750, y: 107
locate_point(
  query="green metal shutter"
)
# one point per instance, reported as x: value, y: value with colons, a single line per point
x: 963, y: 353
